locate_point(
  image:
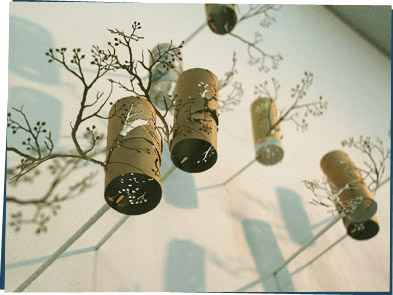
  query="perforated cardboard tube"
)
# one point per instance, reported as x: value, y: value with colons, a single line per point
x: 195, y: 121
x: 340, y: 170
x: 267, y: 142
x: 221, y: 18
x: 363, y: 231
x: 133, y: 177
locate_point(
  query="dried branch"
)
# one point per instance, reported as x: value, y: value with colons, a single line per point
x: 376, y: 159
x: 165, y: 58
x: 263, y: 56
x: 296, y: 110
x: 262, y: 89
x: 261, y: 10
x: 103, y: 65
x: 234, y: 97
x: 325, y: 190
x: 39, y: 146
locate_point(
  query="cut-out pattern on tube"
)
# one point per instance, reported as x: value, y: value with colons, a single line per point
x: 267, y: 139
x: 194, y: 143
x: 133, y: 177
x: 363, y: 230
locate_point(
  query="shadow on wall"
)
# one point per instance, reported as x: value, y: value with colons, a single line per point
x: 295, y: 217
x: 35, y: 103
x: 185, y: 267
x: 28, y: 43
x: 179, y: 187
x: 267, y: 256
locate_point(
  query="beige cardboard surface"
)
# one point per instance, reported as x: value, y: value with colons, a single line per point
x: 133, y: 177
x: 340, y: 170
x: 196, y: 120
x: 267, y: 141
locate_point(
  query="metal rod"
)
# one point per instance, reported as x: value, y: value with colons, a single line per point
x: 200, y: 28
x: 124, y: 218
x: 112, y: 231
x: 314, y: 238
x: 239, y: 172
x: 63, y: 248
x: 320, y: 254
x: 91, y: 221
x: 253, y: 283
x: 168, y: 172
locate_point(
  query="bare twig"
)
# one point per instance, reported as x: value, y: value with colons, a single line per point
x: 263, y: 58
x: 376, y: 158
x: 261, y: 10
x: 130, y: 65
x: 234, y: 97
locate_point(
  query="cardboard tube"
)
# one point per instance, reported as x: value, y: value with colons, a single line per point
x: 195, y: 121
x: 221, y: 18
x: 267, y: 142
x: 340, y: 170
x: 133, y: 177
x: 163, y: 81
x: 362, y: 231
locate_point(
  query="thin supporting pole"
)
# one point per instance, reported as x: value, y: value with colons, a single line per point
x: 253, y: 283
x: 168, y: 172
x: 239, y: 172
x: 200, y: 28
x: 124, y: 218
x: 320, y: 254
x: 63, y: 248
x: 314, y: 238
x: 112, y: 231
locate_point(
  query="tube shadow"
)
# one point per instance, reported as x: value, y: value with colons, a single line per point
x: 185, y: 267
x: 28, y: 43
x: 33, y: 103
x: 179, y: 187
x: 209, y: 187
x: 294, y: 215
x: 267, y: 256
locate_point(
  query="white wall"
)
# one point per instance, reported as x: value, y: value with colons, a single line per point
x: 225, y: 237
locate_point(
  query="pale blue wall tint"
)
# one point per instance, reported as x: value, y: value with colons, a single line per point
x: 267, y: 255
x: 185, y: 267
x: 179, y: 187
x: 294, y: 215
x: 35, y: 103
x: 28, y: 43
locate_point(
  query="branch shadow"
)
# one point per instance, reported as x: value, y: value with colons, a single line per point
x: 267, y: 256
x: 33, y: 102
x: 185, y: 267
x: 294, y: 215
